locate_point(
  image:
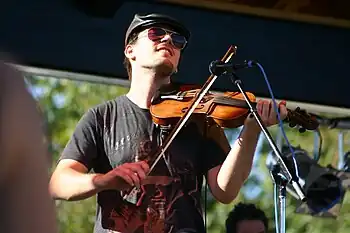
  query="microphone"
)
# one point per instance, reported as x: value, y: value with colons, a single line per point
x: 219, y: 67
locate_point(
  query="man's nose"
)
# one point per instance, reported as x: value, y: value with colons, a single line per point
x: 166, y: 38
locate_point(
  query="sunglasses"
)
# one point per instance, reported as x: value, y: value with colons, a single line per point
x: 157, y: 34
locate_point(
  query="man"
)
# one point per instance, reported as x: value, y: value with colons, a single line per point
x: 117, y: 139
x: 246, y: 218
x: 25, y: 203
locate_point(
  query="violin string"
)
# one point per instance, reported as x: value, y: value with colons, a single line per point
x: 231, y: 102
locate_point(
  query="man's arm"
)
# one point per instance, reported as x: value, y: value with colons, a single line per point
x: 71, y: 181
x: 226, y: 180
x: 25, y: 159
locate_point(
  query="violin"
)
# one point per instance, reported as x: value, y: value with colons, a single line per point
x: 228, y: 110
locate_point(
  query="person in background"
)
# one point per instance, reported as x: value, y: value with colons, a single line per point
x: 246, y: 218
x: 25, y: 203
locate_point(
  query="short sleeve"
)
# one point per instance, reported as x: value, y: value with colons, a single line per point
x: 85, y: 144
x: 215, y: 148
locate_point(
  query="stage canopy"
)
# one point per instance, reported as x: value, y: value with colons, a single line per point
x: 302, y: 45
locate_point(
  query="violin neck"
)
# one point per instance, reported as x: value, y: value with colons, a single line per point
x: 294, y: 117
x: 239, y: 103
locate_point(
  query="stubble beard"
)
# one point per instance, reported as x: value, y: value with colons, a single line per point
x: 163, y: 69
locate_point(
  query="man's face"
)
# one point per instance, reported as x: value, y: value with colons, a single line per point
x: 155, y: 49
x: 250, y: 226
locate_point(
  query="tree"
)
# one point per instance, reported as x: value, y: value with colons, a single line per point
x: 63, y: 103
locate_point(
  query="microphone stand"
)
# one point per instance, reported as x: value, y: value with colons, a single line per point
x: 280, y: 173
x: 279, y: 191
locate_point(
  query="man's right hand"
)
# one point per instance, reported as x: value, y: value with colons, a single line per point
x: 123, y: 177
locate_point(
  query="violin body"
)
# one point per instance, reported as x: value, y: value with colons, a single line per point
x: 228, y: 110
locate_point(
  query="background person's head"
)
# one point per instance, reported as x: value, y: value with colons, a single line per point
x: 246, y: 218
x: 154, y: 41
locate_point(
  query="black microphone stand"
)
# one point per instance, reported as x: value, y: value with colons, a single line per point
x: 281, y: 173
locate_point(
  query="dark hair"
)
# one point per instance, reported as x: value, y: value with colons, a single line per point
x: 127, y: 65
x: 244, y: 212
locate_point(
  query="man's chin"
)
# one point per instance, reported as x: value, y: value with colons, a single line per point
x: 165, y: 69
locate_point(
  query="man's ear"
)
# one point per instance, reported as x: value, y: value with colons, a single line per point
x: 129, y: 52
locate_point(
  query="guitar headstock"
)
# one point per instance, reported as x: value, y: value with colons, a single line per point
x: 301, y: 118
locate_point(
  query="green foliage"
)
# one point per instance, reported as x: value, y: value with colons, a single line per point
x: 78, y: 217
x: 62, y: 117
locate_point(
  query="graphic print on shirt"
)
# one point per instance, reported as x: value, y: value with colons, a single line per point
x: 159, y: 198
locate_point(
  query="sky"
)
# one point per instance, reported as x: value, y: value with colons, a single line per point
x: 39, y: 91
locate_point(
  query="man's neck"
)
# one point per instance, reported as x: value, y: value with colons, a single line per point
x: 143, y: 88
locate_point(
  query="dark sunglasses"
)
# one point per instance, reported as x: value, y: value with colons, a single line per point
x: 157, y: 34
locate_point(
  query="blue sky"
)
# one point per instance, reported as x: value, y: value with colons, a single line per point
x: 39, y: 91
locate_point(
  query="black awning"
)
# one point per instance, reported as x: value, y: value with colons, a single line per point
x: 304, y: 62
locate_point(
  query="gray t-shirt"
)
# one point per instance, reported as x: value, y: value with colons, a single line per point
x: 118, y: 131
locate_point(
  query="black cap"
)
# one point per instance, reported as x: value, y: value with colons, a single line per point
x: 141, y: 22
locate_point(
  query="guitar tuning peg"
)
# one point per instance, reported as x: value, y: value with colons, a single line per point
x: 302, y: 130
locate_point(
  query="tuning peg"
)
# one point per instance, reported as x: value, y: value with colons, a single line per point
x: 299, y: 110
x: 302, y: 130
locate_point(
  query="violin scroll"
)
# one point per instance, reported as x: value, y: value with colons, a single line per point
x: 300, y: 117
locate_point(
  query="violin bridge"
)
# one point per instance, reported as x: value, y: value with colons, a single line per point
x: 179, y: 96
x: 172, y: 97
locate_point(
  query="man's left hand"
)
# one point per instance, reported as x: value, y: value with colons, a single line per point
x: 267, y: 112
